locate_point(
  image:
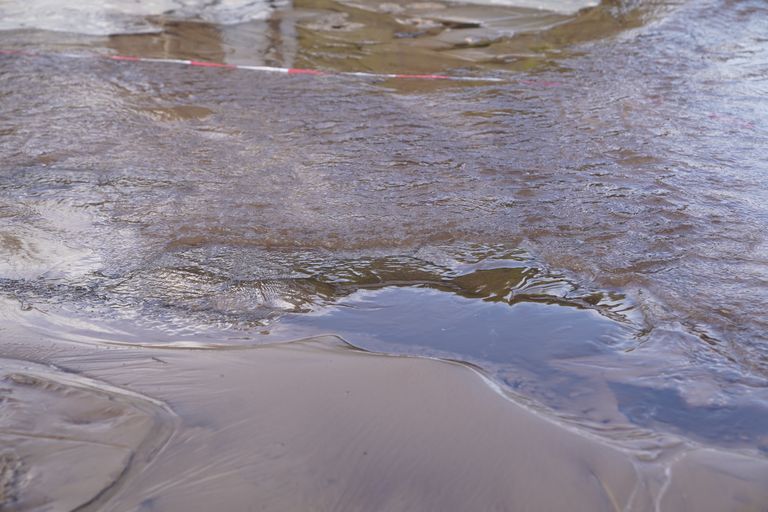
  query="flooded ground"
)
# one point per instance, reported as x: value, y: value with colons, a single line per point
x: 576, y: 256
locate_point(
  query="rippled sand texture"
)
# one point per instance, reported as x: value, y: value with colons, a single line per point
x: 587, y: 238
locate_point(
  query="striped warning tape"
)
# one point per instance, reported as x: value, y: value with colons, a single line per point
x: 288, y: 71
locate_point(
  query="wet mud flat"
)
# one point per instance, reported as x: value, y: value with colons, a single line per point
x: 226, y: 289
x: 319, y: 425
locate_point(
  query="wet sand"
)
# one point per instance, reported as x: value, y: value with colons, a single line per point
x: 319, y: 425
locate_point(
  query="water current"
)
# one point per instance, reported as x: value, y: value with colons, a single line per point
x: 588, y: 233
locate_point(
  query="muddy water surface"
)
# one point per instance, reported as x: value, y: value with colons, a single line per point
x: 587, y: 238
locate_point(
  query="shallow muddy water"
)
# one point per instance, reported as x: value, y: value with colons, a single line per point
x: 582, y: 244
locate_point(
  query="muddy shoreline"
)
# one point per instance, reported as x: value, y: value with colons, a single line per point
x: 322, y: 292
x: 318, y: 425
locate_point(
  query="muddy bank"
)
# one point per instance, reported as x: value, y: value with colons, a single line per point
x: 588, y: 233
x: 317, y: 425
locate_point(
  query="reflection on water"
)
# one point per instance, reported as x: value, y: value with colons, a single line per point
x: 271, y: 41
x: 249, y: 288
x: 97, y: 17
x: 591, y: 235
x: 730, y: 423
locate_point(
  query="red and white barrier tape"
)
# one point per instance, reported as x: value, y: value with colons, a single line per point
x: 287, y: 71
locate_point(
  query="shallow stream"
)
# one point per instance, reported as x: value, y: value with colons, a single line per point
x: 590, y: 232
